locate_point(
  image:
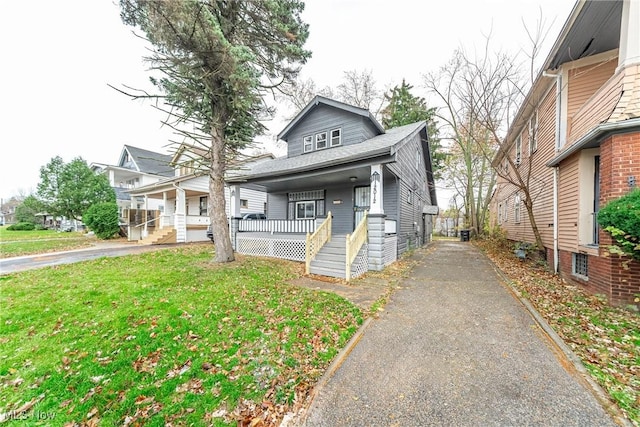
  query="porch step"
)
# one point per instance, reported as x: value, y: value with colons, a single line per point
x: 158, y: 237
x: 330, y: 261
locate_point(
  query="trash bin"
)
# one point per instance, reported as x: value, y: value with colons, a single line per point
x: 464, y: 235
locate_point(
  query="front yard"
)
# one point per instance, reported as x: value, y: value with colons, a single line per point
x: 18, y: 243
x: 164, y: 338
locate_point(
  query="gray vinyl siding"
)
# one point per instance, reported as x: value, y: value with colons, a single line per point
x: 354, y: 128
x: 343, y: 215
x: 414, y: 180
x: 277, y: 206
x: 390, y: 197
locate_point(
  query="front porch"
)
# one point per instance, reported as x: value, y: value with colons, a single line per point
x: 312, y: 241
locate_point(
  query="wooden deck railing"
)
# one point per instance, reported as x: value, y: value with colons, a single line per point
x: 316, y: 241
x: 355, y: 241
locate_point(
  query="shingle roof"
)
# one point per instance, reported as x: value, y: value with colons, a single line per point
x: 150, y: 161
x: 386, y: 143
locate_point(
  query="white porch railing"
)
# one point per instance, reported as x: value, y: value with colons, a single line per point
x: 355, y: 241
x: 278, y: 225
x: 316, y: 241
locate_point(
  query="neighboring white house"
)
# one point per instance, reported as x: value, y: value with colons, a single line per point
x: 185, y: 198
x: 136, y: 167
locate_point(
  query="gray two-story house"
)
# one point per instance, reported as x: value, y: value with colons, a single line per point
x: 364, y: 195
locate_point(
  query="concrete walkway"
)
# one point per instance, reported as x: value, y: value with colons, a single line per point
x: 455, y: 348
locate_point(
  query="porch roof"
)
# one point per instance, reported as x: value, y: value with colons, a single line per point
x: 379, y: 146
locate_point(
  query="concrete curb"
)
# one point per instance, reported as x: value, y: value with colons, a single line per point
x: 563, y: 350
x: 331, y: 370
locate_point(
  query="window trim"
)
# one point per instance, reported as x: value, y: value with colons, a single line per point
x: 245, y: 204
x: 331, y: 144
x: 533, y: 133
x: 410, y: 197
x: 318, y: 140
x: 516, y: 210
x: 307, y: 141
x: 306, y: 202
x: 518, y: 158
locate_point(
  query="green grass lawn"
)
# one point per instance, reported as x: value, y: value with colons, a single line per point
x: 17, y: 243
x: 164, y: 337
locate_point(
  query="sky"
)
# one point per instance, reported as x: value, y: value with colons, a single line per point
x: 59, y: 58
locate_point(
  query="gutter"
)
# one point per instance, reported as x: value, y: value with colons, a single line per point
x: 599, y: 132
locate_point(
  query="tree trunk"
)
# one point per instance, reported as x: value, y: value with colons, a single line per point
x: 528, y: 203
x: 217, y: 206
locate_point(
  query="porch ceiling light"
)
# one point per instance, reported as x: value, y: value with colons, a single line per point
x: 353, y: 178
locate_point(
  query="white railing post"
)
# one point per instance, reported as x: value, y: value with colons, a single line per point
x: 316, y: 241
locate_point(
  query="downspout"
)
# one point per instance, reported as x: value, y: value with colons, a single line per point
x: 556, y: 169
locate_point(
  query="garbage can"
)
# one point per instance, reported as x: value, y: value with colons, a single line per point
x: 464, y: 235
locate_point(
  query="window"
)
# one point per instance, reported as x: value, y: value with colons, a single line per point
x: 321, y: 140
x: 244, y: 203
x: 505, y: 215
x: 204, y: 202
x: 305, y: 210
x: 410, y: 197
x: 516, y: 210
x: 418, y: 159
x: 499, y: 213
x: 336, y: 137
x: 581, y: 265
x: 308, y: 143
x: 533, y: 132
x: 518, y: 149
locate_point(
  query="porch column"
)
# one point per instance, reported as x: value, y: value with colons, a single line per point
x: 375, y: 225
x: 180, y: 220
x: 146, y: 216
x: 629, y: 34
x: 234, y: 201
x: 163, y: 220
x: 234, y: 213
x: 376, y: 204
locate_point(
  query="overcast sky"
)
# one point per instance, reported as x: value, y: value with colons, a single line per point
x: 60, y: 56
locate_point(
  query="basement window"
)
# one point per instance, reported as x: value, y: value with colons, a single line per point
x: 580, y: 266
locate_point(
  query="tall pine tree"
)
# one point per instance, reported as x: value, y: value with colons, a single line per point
x: 217, y: 60
x: 405, y: 108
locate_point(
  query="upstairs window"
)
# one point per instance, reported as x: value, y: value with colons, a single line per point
x: 308, y: 143
x: 321, y: 140
x: 533, y: 132
x: 418, y: 159
x: 518, y: 149
x: 336, y: 137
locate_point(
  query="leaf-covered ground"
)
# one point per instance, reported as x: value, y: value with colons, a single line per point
x: 164, y: 338
x: 606, y: 339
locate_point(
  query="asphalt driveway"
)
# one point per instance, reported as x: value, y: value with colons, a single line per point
x: 455, y: 348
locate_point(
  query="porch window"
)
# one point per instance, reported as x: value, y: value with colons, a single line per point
x: 336, y: 137
x: 518, y: 149
x: 204, y: 202
x: 305, y: 210
x: 516, y: 210
x: 321, y: 140
x: 308, y: 143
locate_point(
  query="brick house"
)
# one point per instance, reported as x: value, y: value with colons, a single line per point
x: 577, y: 139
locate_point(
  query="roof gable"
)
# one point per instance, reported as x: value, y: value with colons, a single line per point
x: 321, y: 100
x: 145, y: 161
